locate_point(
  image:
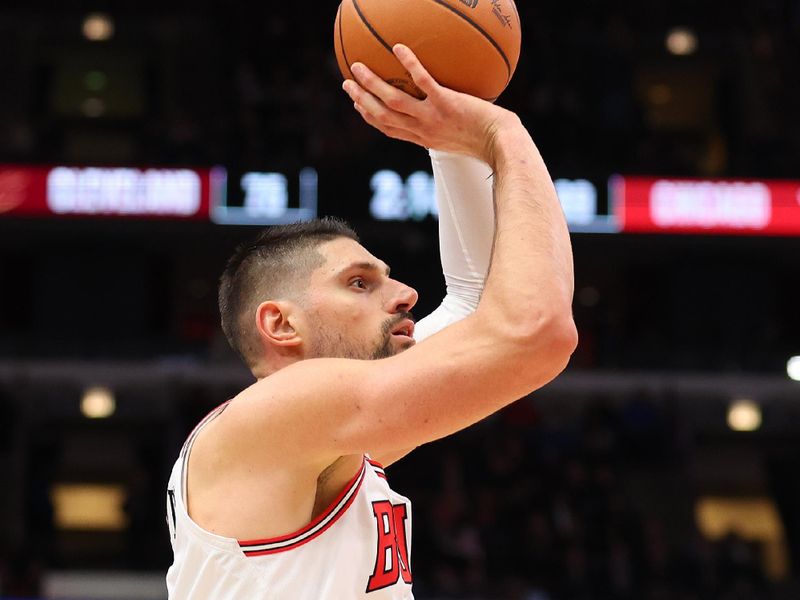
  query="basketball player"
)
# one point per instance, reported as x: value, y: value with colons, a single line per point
x: 281, y: 492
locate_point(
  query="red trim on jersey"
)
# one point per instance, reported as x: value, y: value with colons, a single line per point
x: 353, y: 485
x: 379, y: 469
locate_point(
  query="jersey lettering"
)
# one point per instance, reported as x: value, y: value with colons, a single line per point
x: 392, y: 554
x: 173, y: 523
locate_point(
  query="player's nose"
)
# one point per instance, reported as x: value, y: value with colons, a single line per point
x: 403, y: 298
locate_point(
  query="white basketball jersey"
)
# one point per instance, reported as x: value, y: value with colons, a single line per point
x: 359, y: 547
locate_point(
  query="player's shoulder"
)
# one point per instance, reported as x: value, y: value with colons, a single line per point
x: 275, y: 412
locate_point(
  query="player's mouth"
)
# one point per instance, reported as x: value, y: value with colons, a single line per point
x: 404, y: 329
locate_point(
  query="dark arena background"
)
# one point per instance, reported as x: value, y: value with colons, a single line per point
x: 662, y: 465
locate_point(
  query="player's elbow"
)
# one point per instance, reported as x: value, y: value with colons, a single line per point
x: 551, y: 336
x: 567, y: 336
x: 565, y: 341
x: 556, y: 326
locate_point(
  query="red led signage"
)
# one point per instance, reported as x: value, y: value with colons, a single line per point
x: 119, y: 192
x: 649, y: 205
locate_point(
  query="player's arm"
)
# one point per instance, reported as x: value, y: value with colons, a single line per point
x: 519, y: 338
x: 463, y: 188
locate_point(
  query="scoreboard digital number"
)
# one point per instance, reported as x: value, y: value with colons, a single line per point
x: 414, y: 199
x: 263, y: 198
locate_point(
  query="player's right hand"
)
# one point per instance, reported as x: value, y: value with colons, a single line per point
x: 444, y: 120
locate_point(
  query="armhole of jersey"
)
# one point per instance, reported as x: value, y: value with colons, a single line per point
x: 337, y: 508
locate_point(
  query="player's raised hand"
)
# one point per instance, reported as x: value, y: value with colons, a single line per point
x: 444, y: 120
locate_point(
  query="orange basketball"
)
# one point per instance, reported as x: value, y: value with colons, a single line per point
x: 468, y: 45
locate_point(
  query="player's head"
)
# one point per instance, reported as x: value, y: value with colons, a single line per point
x: 310, y: 290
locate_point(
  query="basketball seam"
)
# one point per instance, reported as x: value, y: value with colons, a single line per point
x: 341, y: 41
x: 371, y: 28
x: 482, y: 32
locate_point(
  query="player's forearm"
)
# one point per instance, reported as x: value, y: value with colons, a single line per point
x: 530, y: 283
x: 466, y: 216
x: 466, y: 230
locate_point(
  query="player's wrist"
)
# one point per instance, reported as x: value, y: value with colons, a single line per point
x: 507, y: 140
x: 500, y: 134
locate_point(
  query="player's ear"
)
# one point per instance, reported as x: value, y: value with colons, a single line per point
x: 275, y: 323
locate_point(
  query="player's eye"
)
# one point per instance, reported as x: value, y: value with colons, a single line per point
x: 358, y: 282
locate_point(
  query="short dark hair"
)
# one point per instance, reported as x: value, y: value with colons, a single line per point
x: 268, y: 268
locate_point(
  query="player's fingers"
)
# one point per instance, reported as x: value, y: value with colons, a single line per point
x: 375, y: 107
x: 391, y: 96
x: 423, y: 80
x: 394, y: 132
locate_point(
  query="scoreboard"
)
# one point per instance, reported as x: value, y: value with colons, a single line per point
x: 616, y: 204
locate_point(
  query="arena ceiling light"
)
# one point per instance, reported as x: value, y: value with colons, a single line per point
x: 793, y: 368
x: 744, y: 415
x: 98, y: 27
x: 98, y: 402
x: 89, y: 506
x: 681, y: 41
